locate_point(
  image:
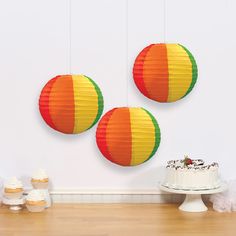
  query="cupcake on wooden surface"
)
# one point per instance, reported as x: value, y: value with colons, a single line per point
x: 35, y: 201
x: 40, y: 179
x: 13, y: 188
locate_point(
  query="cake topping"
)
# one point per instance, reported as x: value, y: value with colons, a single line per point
x: 188, y: 163
x: 40, y: 174
x: 13, y: 183
x: 35, y: 195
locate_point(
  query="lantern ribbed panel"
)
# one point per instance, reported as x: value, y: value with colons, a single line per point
x: 71, y: 104
x: 128, y: 136
x: 165, y: 72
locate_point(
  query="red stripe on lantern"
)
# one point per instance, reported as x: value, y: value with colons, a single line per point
x: 138, y: 70
x: 101, y: 135
x: 44, y: 102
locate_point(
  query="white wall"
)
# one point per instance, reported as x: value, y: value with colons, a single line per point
x: 34, y: 48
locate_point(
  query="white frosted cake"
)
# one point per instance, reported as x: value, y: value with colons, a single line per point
x: 190, y: 174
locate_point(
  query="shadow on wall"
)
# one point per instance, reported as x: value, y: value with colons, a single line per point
x: 154, y: 177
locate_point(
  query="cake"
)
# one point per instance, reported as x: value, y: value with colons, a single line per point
x: 35, y: 201
x: 40, y: 179
x: 13, y: 188
x: 191, y: 174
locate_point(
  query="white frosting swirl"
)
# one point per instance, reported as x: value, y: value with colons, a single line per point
x: 40, y: 174
x: 13, y: 183
x: 35, y: 195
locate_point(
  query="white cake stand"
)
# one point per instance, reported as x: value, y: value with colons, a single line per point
x: 15, y: 204
x: 193, y: 200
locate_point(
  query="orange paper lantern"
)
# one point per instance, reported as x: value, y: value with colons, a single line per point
x: 128, y: 136
x: 71, y: 104
x: 165, y: 72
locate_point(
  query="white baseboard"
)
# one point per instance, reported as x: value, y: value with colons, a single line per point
x: 137, y: 196
x: 115, y: 196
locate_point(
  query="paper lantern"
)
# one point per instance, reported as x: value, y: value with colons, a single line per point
x: 71, y: 104
x: 165, y: 72
x: 128, y: 136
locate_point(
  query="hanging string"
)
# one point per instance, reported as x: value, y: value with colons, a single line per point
x: 127, y: 52
x: 69, y: 36
x: 164, y: 21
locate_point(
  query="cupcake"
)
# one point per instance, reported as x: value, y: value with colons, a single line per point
x: 35, y: 201
x: 39, y: 179
x: 13, y: 189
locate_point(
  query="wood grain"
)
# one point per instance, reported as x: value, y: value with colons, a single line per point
x: 115, y: 220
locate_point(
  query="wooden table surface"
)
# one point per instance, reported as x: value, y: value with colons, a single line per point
x: 115, y: 220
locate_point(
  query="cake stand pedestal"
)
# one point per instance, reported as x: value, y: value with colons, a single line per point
x: 193, y: 200
x: 15, y: 204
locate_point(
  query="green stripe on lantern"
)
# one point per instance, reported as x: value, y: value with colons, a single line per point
x: 157, y: 134
x: 100, y: 101
x: 194, y: 70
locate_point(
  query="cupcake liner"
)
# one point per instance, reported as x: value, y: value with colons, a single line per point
x: 32, y: 208
x: 13, y: 195
x: 40, y: 185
